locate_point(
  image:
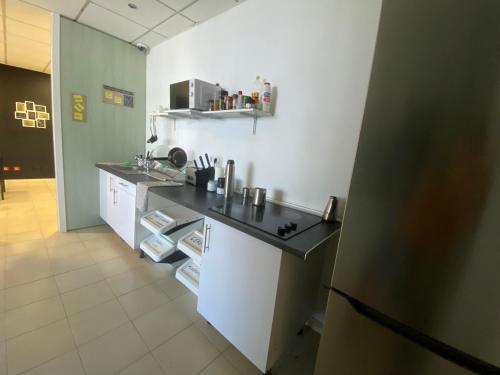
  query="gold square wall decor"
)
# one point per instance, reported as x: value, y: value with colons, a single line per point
x: 20, y: 107
x: 29, y: 123
x: 30, y: 106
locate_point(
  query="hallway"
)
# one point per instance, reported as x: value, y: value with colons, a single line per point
x: 82, y: 302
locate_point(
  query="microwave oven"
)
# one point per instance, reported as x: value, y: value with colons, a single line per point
x: 193, y: 94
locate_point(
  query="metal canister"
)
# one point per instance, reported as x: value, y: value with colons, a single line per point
x: 245, y: 192
x: 259, y: 197
x: 329, y: 214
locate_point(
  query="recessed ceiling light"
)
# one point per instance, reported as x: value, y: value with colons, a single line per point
x: 132, y: 6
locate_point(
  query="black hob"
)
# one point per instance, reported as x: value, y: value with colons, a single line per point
x: 276, y: 220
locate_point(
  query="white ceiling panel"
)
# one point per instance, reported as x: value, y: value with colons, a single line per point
x: 68, y: 8
x: 111, y: 23
x: 26, y: 13
x: 28, y: 31
x: 205, y: 9
x: 19, y: 46
x: 38, y: 67
x: 177, y: 4
x: 151, y: 39
x: 148, y: 13
x: 174, y: 26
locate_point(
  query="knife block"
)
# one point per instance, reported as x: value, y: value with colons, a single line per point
x: 203, y: 176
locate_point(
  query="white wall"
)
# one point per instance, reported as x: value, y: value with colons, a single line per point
x: 318, y: 55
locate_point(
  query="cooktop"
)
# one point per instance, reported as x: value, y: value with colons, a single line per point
x: 276, y: 220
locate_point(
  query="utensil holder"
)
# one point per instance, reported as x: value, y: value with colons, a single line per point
x: 203, y: 176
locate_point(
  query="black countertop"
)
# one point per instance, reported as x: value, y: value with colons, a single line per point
x: 200, y: 200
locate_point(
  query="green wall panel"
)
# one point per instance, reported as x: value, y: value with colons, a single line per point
x: 88, y: 60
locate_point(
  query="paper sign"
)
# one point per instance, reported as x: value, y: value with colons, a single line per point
x: 112, y: 95
x: 79, y: 107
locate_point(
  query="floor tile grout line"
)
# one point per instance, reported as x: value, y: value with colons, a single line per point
x: 31, y: 331
x: 99, y: 335
x: 72, y: 336
x: 39, y: 327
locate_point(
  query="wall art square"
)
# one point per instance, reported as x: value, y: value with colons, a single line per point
x: 29, y: 123
x: 30, y: 106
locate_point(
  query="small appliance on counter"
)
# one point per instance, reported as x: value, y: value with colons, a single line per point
x: 193, y: 94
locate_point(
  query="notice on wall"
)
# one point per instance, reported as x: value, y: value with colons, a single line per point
x: 79, y: 107
x: 112, y: 95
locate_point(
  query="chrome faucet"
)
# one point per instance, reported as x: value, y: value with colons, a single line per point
x: 144, y: 162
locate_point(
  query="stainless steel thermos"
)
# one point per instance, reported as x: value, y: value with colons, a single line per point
x: 229, y: 184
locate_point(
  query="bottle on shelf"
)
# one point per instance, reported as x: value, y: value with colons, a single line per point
x: 266, y: 97
x: 256, y: 92
x: 223, y: 102
x: 235, y: 101
x: 239, y: 101
x: 217, y: 99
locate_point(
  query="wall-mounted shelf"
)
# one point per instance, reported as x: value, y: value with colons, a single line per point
x: 216, y: 115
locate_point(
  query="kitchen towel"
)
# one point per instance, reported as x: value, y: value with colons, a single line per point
x: 141, y: 197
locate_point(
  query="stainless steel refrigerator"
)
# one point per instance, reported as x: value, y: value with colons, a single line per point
x: 416, y: 282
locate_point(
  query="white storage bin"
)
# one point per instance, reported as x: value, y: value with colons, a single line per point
x: 158, y: 222
x: 157, y: 247
x: 189, y: 275
x: 191, y: 244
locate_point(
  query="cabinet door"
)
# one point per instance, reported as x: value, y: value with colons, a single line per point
x: 105, y: 194
x: 238, y: 284
x: 124, y: 216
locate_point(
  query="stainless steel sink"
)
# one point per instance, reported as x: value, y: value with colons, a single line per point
x: 127, y: 169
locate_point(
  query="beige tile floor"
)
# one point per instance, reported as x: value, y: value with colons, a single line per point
x: 83, y: 303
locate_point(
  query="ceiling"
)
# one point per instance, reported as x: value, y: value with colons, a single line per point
x: 25, y: 24
x: 24, y: 36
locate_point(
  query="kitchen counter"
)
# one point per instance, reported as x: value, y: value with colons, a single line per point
x: 200, y: 200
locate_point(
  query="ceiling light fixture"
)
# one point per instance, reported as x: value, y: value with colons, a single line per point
x: 132, y: 6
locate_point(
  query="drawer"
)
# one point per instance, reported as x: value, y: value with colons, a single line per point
x: 189, y: 275
x: 157, y: 247
x: 125, y: 186
x: 191, y: 244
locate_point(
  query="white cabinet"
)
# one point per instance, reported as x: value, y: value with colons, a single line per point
x: 117, y: 207
x: 105, y: 194
x: 123, y: 218
x: 237, y: 288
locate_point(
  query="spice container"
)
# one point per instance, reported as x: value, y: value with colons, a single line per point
x: 266, y: 97
x: 220, y: 185
x: 216, y: 105
x: 212, y: 185
x: 247, y: 102
x: 229, y: 102
x: 239, y: 100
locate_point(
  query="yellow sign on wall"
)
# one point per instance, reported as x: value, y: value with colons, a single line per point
x: 112, y: 95
x: 79, y: 107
